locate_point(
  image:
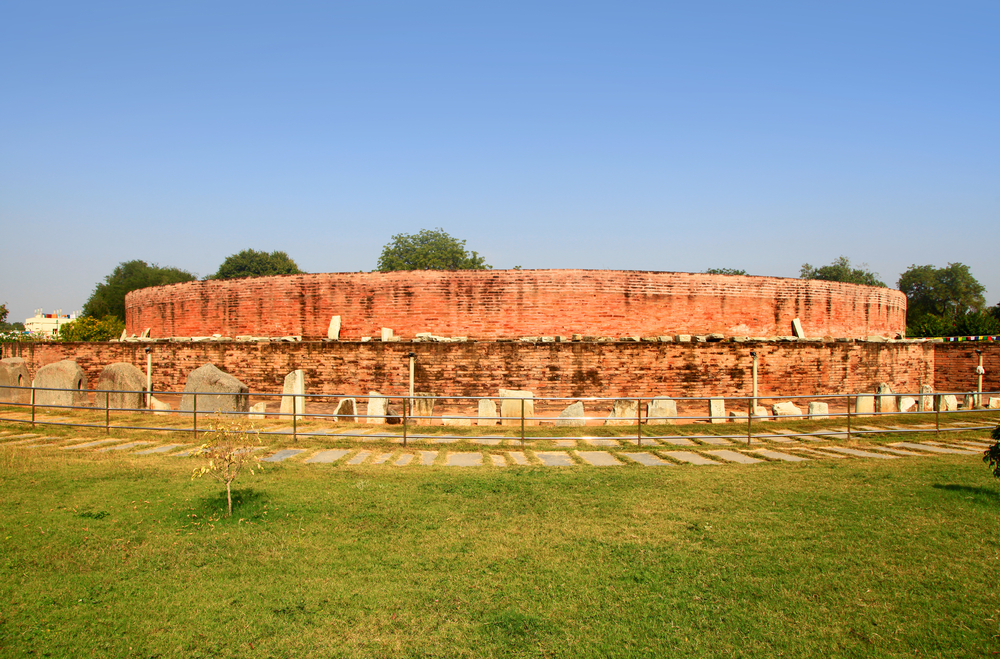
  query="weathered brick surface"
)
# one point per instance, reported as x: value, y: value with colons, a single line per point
x: 552, y: 369
x: 514, y: 303
x: 955, y: 366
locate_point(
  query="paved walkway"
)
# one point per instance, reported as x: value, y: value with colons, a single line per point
x: 591, y: 452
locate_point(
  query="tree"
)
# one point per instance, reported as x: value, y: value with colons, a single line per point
x: 841, y: 270
x: 87, y: 328
x: 428, y: 250
x: 3, y: 313
x: 725, y: 271
x: 229, y: 450
x: 944, y: 294
x: 108, y: 298
x: 251, y: 263
x: 991, y: 456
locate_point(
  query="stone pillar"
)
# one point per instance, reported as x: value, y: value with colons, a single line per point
x: 623, y: 412
x: 333, y: 331
x: 487, y: 412
x: 510, y: 407
x: 377, y: 405
x: 717, y: 410
x: 293, y: 394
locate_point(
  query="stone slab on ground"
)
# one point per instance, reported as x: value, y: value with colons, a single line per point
x: 328, y: 456
x: 678, y: 441
x: 22, y: 436
x: 427, y: 457
x: 815, y: 453
x: 160, y: 449
x: 932, y: 449
x: 283, y: 454
x: 100, y: 442
x: 967, y: 442
x: 444, y: 440
x: 518, y: 457
x: 464, y: 460
x: 185, y: 454
x: 487, y: 441
x: 733, y: 456
x: 858, y: 453
x: 690, y: 458
x: 777, y: 455
x: 123, y: 447
x: 381, y: 458
x: 896, y: 451
x: 565, y: 443
x: 600, y: 441
x: 554, y: 458
x: 360, y: 457
x: 598, y: 458
x: 714, y: 441
x: 403, y: 460
x: 646, y: 441
x: 498, y: 460
x: 648, y: 459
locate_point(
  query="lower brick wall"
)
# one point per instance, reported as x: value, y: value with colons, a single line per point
x: 549, y: 369
x: 955, y: 366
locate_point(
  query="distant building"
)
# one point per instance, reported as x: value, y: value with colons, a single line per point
x: 47, y: 324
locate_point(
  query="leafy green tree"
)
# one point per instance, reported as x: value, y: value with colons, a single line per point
x: 3, y: 312
x: 87, y: 328
x: 108, y: 298
x: 428, y: 250
x: 251, y: 263
x: 944, y: 293
x: 842, y: 270
x: 725, y: 271
x: 991, y: 456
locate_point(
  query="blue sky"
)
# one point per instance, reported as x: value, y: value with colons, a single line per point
x: 624, y: 135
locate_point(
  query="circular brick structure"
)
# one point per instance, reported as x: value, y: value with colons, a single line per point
x: 508, y: 304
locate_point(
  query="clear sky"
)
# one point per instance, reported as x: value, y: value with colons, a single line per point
x: 621, y: 135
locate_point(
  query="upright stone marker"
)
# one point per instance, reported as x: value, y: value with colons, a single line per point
x: 818, y: 410
x: 864, y: 405
x: 717, y: 410
x: 785, y: 408
x: 907, y: 404
x: 886, y: 401
x: 224, y: 393
x: 257, y: 411
x: 14, y: 373
x: 333, y: 331
x: 293, y: 394
x: 623, y: 412
x: 574, y: 410
x: 423, y: 406
x: 926, y: 399
x: 386, y: 334
x: 125, y: 383
x: 66, y: 374
x: 797, y: 329
x: 347, y: 410
x: 947, y: 403
x: 660, y: 410
x: 377, y: 407
x: 487, y: 412
x: 510, y: 407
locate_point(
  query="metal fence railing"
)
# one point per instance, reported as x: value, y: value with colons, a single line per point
x: 641, y: 417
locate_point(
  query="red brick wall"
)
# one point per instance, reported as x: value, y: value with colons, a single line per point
x: 551, y: 369
x: 515, y: 303
x: 955, y: 366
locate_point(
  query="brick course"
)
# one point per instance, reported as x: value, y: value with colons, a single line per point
x: 493, y: 304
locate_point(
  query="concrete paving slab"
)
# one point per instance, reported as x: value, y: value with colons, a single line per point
x: 776, y: 455
x: 648, y: 459
x: 26, y: 435
x: 518, y: 457
x: 554, y: 458
x: 381, y: 458
x: 894, y: 451
x: 327, y: 456
x: 160, y: 449
x: 487, y: 441
x: 734, y: 456
x: 714, y: 441
x: 815, y: 453
x: 283, y: 454
x: 678, y: 441
x: 186, y: 453
x: 565, y: 443
x: 498, y: 460
x: 690, y: 458
x: 646, y: 441
x: 932, y: 449
x: 444, y: 440
x: 598, y: 458
x: 858, y: 453
x: 100, y: 442
x: 34, y: 439
x: 464, y: 460
x: 427, y: 457
x: 403, y: 460
x: 971, y: 444
x: 123, y: 447
x: 360, y: 457
x: 600, y: 441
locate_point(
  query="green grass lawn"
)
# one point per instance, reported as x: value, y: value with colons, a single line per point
x: 121, y: 556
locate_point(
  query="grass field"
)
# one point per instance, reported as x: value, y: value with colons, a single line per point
x: 109, y: 555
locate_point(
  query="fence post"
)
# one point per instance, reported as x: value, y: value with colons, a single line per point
x: 295, y: 418
x: 638, y: 422
x: 406, y: 404
x: 750, y: 408
x: 848, y: 417
x: 195, y: 416
x: 107, y: 414
x: 937, y: 414
x: 522, y: 422
x: 32, y: 404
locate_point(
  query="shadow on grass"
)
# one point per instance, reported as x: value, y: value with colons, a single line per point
x: 986, y: 493
x: 248, y: 504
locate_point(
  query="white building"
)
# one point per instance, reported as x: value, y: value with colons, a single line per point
x: 46, y: 325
